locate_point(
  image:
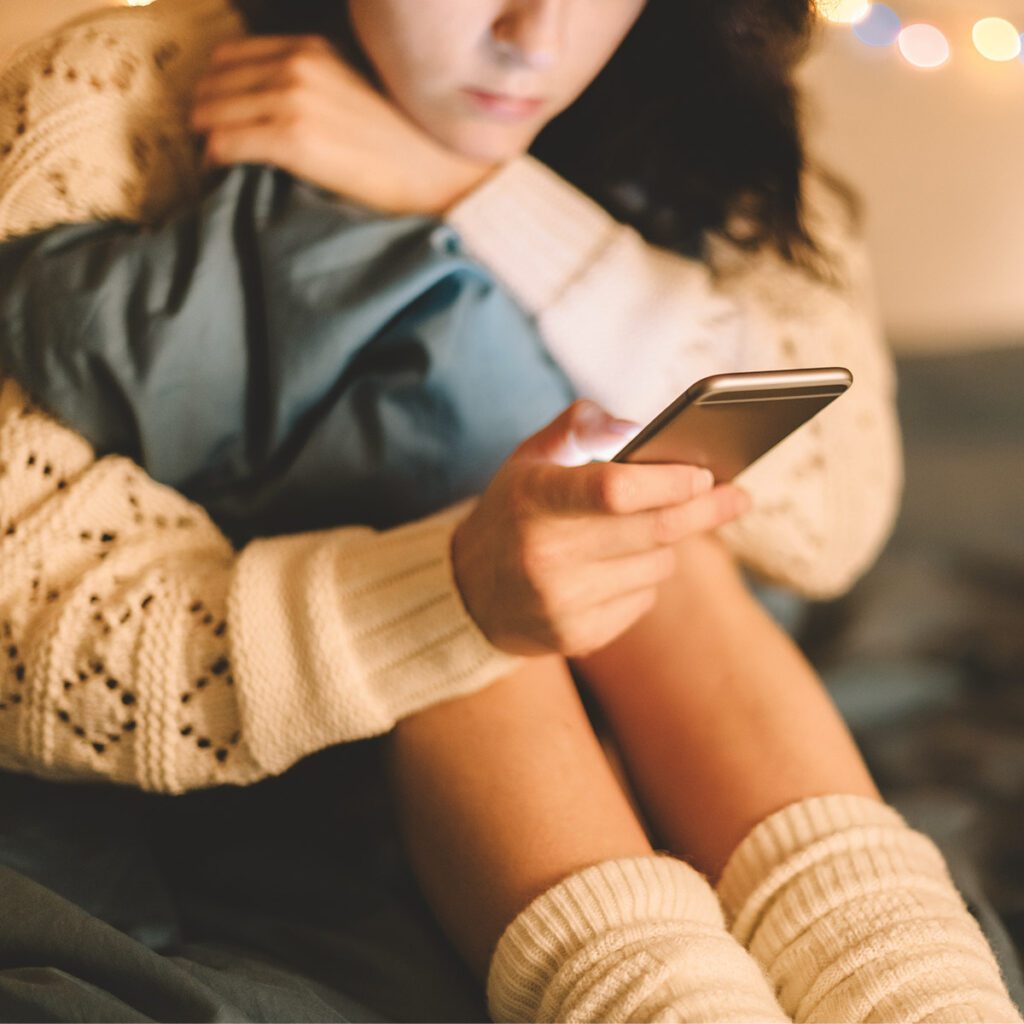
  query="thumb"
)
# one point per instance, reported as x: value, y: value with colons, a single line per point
x: 579, y: 434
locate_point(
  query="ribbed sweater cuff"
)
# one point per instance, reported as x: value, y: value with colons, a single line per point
x: 598, y: 901
x: 345, y: 632
x: 766, y: 857
x: 533, y: 229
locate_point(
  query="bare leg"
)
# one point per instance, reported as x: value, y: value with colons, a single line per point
x: 502, y: 794
x: 735, y: 747
x: 537, y: 869
x: 719, y: 717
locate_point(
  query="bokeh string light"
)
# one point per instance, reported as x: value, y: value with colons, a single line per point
x: 922, y: 45
x: 880, y: 27
x: 996, y: 39
x: 844, y: 11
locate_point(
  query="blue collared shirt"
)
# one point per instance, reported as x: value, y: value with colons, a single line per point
x: 288, y: 359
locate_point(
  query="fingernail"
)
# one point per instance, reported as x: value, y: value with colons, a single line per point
x: 574, y: 452
x: 624, y: 427
x: 705, y: 481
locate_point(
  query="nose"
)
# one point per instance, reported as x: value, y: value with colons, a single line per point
x: 529, y: 32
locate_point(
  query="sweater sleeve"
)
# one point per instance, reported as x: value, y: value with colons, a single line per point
x: 633, y: 325
x: 138, y: 648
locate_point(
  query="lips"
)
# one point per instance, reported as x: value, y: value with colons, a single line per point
x: 504, y: 106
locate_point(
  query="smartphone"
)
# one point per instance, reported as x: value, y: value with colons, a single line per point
x: 729, y: 420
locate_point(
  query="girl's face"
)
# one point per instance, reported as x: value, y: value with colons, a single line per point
x: 483, y: 77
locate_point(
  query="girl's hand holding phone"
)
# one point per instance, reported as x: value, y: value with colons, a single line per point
x: 293, y: 102
x: 562, y: 557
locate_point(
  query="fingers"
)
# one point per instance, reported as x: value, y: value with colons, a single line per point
x: 261, y: 48
x: 262, y: 86
x: 244, y: 108
x: 596, y: 583
x: 258, y: 92
x: 233, y: 79
x: 626, y: 535
x: 604, y: 623
x: 566, y: 439
x: 255, y: 143
x: 618, y: 488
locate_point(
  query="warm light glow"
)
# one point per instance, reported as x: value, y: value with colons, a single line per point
x: 137, y: 3
x: 846, y: 11
x: 924, y: 46
x: 996, y: 39
x: 880, y: 27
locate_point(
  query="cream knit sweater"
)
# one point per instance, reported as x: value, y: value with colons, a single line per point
x: 138, y: 647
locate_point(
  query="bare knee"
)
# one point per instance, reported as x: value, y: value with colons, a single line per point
x: 502, y: 793
x: 542, y: 688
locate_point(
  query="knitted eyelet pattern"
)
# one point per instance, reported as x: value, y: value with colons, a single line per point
x: 105, y: 601
x: 93, y: 125
x: 93, y: 118
x: 811, y: 527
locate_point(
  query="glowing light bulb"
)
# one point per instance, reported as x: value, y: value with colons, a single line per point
x: 996, y: 39
x: 880, y: 27
x: 845, y: 11
x: 923, y: 45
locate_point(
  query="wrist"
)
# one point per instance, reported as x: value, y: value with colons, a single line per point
x: 460, y: 573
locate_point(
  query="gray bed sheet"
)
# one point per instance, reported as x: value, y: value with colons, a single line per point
x: 925, y: 656
x: 291, y: 900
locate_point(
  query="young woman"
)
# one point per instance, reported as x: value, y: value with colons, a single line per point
x: 574, y: 871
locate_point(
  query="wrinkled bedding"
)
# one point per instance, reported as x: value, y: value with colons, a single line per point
x: 925, y: 656
x: 291, y: 901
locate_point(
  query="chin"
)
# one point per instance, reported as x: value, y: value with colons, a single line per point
x: 477, y: 141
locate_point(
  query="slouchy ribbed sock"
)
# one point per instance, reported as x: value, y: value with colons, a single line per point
x: 853, y: 916
x: 630, y: 939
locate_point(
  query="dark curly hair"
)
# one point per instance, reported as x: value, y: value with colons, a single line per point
x: 695, y: 118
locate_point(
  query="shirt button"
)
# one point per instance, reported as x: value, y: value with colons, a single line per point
x: 446, y: 240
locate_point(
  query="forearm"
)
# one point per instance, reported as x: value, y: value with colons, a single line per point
x: 720, y: 718
x: 633, y: 325
x: 138, y: 648
x: 630, y: 323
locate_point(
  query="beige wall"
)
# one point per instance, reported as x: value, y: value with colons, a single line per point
x: 939, y: 158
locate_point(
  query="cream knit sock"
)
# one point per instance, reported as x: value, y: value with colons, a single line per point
x: 854, y: 917
x: 632, y: 939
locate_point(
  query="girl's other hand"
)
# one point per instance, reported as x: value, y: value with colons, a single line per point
x: 561, y: 557
x: 293, y: 102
